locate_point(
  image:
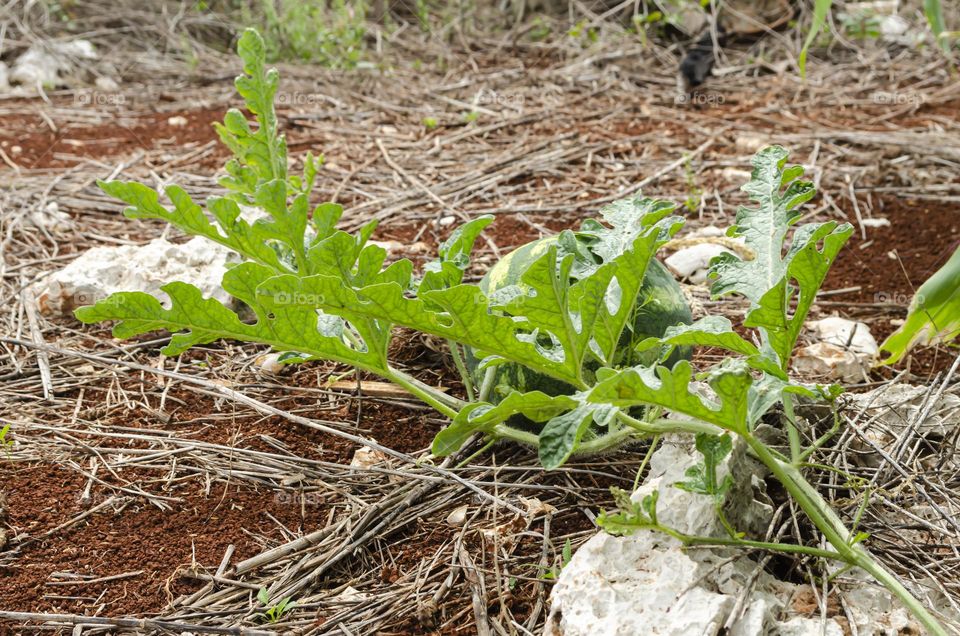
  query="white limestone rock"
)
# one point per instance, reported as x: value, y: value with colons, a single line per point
x: 43, y: 64
x: 845, y: 350
x: 828, y: 361
x: 635, y: 585
x: 693, y: 263
x: 101, y: 271
x: 850, y: 334
x: 366, y: 457
x: 647, y: 584
x: 50, y: 218
x: 800, y: 626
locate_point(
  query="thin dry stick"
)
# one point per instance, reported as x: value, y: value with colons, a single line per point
x: 130, y: 623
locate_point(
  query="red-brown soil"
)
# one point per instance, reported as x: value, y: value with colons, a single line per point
x: 891, y: 263
x: 30, y: 142
x: 141, y: 538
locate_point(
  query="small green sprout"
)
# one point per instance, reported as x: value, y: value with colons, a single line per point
x: 694, y: 192
x: 430, y: 123
x: 552, y: 574
x: 540, y: 31
x: 5, y: 444
x: 273, y: 613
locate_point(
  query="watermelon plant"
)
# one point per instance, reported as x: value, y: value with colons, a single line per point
x: 573, y: 344
x: 660, y: 304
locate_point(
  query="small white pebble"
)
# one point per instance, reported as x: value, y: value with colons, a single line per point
x: 366, y: 457
x: 458, y: 516
x: 270, y: 363
x: 107, y: 84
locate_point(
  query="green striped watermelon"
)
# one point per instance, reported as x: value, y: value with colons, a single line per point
x: 660, y: 304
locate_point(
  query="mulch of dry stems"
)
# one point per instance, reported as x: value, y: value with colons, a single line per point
x: 176, y: 489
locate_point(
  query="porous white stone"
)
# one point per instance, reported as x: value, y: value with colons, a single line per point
x: 101, y: 271
x: 829, y: 361
x: 845, y: 350
x: 876, y: 222
x: 366, y: 457
x: 41, y: 65
x: 849, y: 334
x: 800, y: 626
x: 693, y: 263
x: 50, y: 218
x: 646, y: 583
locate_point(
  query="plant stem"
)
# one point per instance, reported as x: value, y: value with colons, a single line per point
x: 665, y: 425
x: 789, y: 548
x: 489, y: 376
x: 827, y: 521
x: 479, y: 452
x: 792, y: 433
x: 461, y: 369
x: 646, y: 460
x: 446, y: 404
x: 595, y: 445
x: 823, y: 439
x: 614, y: 439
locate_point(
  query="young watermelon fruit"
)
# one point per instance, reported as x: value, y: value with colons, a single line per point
x: 660, y: 304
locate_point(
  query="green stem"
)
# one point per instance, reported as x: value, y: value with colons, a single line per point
x: 595, y: 445
x: 789, y: 548
x: 827, y: 521
x: 860, y: 510
x: 461, y: 369
x: 489, y: 377
x: 446, y: 404
x: 725, y: 523
x: 667, y: 425
x: 823, y: 439
x: 646, y: 460
x: 481, y: 451
x: 792, y: 433
x: 614, y: 439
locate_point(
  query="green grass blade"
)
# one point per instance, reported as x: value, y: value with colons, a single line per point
x: 934, y: 12
x: 820, y: 10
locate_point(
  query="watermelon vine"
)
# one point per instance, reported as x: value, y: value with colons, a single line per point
x: 574, y: 344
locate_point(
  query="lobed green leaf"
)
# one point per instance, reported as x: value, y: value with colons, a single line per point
x: 767, y: 280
